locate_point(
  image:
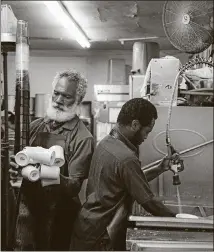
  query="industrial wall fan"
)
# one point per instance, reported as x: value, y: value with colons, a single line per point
x: 189, y: 24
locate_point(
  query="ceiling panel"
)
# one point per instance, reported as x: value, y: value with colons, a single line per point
x: 118, y: 19
x: 104, y: 22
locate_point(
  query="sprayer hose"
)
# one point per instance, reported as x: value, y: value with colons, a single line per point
x: 189, y: 65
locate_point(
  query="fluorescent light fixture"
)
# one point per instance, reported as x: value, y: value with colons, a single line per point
x: 65, y: 18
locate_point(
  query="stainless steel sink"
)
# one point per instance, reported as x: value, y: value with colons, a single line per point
x: 165, y: 246
x: 145, y: 239
x: 198, y: 210
x: 149, y: 233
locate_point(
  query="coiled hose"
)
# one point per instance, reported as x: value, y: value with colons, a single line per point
x: 185, y: 67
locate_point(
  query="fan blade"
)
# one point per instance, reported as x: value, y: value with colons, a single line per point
x: 188, y: 24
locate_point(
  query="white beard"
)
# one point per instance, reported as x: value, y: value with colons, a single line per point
x: 57, y: 115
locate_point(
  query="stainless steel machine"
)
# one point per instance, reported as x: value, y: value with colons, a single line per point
x: 108, y: 100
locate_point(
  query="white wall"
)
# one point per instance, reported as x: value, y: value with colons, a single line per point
x: 93, y: 64
x: 44, y: 65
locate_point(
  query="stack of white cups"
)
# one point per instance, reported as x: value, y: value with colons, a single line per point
x: 50, y: 175
x: 50, y: 161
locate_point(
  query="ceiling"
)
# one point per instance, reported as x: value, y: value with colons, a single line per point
x: 104, y: 23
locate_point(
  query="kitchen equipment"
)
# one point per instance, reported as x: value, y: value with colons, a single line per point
x: 163, y: 73
x: 111, y: 93
x: 135, y: 85
x: 148, y: 233
x: 117, y: 72
x: 85, y: 114
x: 8, y: 24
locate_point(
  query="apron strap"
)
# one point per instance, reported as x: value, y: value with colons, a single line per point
x: 68, y: 139
x: 68, y: 151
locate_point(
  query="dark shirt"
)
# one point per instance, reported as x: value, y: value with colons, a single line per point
x: 115, y: 176
x: 54, y: 208
x: 79, y: 139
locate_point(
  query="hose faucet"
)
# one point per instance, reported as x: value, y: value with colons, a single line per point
x: 176, y: 166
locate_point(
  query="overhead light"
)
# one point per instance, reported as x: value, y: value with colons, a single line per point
x: 65, y: 18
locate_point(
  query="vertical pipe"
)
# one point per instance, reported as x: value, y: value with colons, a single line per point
x: 5, y: 165
x: 142, y: 54
x: 22, y: 106
x: 5, y: 95
x: 161, y: 185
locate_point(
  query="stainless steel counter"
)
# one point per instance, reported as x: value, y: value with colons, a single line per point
x: 150, y: 233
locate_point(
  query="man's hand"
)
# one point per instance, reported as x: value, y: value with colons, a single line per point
x: 14, y: 173
x: 167, y: 162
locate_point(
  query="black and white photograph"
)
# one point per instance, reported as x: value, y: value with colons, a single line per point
x: 107, y: 126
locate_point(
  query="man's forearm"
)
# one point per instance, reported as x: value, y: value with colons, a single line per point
x: 153, y: 172
x: 157, y: 208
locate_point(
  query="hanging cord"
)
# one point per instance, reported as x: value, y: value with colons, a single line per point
x: 189, y: 65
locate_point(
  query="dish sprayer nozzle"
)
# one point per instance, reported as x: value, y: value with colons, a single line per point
x: 176, y: 179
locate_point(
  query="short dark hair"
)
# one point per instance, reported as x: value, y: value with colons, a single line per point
x: 137, y: 109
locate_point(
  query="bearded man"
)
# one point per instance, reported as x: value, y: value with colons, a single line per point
x: 46, y: 213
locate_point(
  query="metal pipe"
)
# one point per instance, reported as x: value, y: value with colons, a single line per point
x: 143, y: 52
x: 182, y: 152
x: 5, y: 163
x: 202, y: 89
x: 160, y: 186
x: 196, y: 93
x: 22, y: 106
